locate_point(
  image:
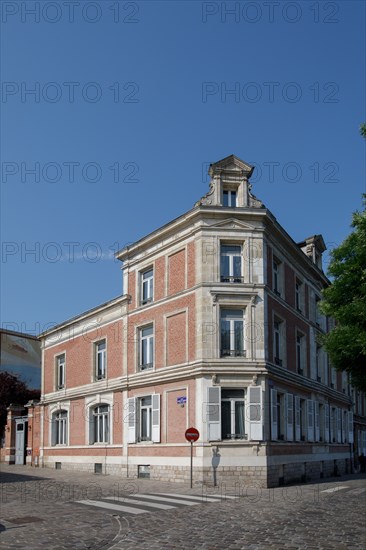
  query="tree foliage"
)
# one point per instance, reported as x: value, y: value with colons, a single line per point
x: 13, y: 390
x: 345, y: 301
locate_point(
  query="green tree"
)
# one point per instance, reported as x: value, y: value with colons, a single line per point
x: 363, y: 130
x: 13, y: 390
x: 345, y: 301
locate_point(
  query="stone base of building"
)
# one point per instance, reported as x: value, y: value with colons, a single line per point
x: 227, y: 476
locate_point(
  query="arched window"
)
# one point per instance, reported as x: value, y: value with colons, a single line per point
x: 59, y: 428
x: 100, y: 424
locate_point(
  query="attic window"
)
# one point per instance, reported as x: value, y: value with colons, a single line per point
x: 229, y: 198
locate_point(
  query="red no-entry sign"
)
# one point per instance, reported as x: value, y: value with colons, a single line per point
x: 192, y: 434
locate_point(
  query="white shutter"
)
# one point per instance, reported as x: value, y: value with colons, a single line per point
x: 325, y: 367
x: 132, y: 419
x: 310, y: 409
x: 290, y: 416
x: 339, y: 425
x: 331, y: 421
x: 364, y: 442
x: 155, y: 423
x: 297, y: 418
x: 274, y: 419
x: 214, y: 413
x: 255, y: 413
x: 350, y: 427
x: 317, y: 420
x: 326, y: 423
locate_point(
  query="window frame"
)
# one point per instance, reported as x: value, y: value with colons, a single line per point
x: 231, y: 277
x: 60, y: 427
x: 232, y: 352
x: 299, y: 295
x: 97, y: 354
x: 101, y: 419
x: 232, y: 197
x: 150, y: 347
x: 233, y: 414
x: 300, y: 346
x: 147, y: 283
x: 277, y: 276
x: 59, y: 370
x: 279, y: 350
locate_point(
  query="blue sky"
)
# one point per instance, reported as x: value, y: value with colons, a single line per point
x: 133, y: 100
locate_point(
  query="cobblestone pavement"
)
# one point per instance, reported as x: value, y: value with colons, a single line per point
x: 41, y: 508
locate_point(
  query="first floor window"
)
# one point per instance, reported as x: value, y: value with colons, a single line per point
x: 146, y: 351
x: 276, y: 270
x: 60, y: 428
x: 100, y: 360
x: 232, y: 414
x: 298, y: 295
x: 60, y: 371
x: 231, y: 271
x: 300, y: 353
x: 232, y: 333
x: 101, y: 424
x: 277, y: 342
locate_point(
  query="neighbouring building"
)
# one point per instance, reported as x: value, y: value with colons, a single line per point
x: 20, y: 356
x: 217, y: 329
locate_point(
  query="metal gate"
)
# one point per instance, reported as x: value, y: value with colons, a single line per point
x: 21, y: 426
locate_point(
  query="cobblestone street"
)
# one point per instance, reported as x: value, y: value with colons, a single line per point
x: 63, y: 510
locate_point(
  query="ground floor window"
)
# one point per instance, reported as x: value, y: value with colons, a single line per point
x: 232, y: 414
x: 101, y: 424
x: 60, y: 428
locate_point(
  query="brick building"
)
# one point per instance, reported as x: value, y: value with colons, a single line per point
x: 217, y: 329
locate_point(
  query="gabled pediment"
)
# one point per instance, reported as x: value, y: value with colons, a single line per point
x: 233, y: 223
x: 232, y: 163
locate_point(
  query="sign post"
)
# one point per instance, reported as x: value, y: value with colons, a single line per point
x: 191, y: 435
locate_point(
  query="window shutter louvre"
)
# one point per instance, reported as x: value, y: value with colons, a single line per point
x: 290, y: 416
x: 255, y: 413
x: 274, y: 419
x: 132, y: 419
x: 214, y: 413
x: 350, y: 427
x: 310, y: 408
x: 155, y: 423
x: 317, y: 420
x: 297, y: 418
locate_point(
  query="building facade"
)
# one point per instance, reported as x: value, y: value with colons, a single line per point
x: 217, y: 329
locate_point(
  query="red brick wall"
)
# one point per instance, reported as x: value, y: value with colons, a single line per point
x: 176, y: 272
x: 191, y: 265
x: 269, y: 266
x: 289, y: 285
x: 79, y: 356
x: 176, y: 339
x: 159, y: 279
x: 157, y: 315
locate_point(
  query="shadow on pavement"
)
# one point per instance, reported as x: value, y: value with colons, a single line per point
x: 12, y: 477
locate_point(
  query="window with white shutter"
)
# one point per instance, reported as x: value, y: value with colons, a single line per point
x: 132, y: 420
x: 350, y: 427
x: 155, y: 423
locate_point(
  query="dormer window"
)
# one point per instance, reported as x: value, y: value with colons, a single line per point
x: 229, y: 198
